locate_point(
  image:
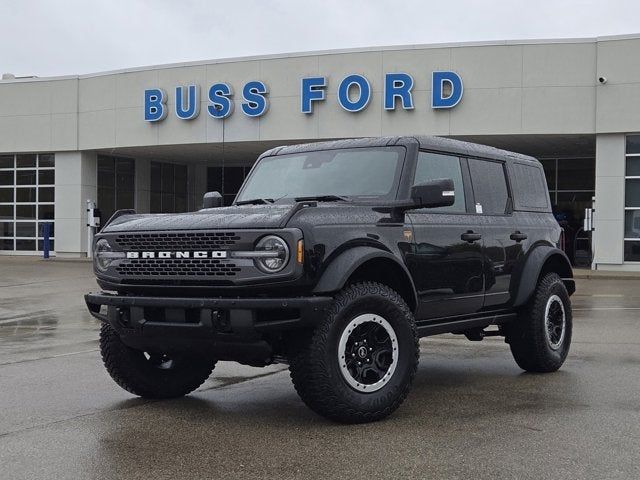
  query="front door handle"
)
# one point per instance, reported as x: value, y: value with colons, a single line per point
x: 518, y: 236
x: 470, y: 237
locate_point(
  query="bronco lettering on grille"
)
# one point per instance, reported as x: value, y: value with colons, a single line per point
x: 182, y: 254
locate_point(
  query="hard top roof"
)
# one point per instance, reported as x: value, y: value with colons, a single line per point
x: 427, y: 142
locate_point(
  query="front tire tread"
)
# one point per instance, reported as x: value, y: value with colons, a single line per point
x: 312, y: 377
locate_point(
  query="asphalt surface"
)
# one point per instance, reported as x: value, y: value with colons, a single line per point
x: 471, y: 414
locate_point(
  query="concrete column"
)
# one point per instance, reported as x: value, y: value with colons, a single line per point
x: 76, y: 181
x: 609, y: 216
x: 143, y: 185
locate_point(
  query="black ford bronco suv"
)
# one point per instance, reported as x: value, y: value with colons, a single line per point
x: 336, y: 258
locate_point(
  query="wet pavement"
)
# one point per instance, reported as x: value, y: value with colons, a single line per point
x: 471, y: 414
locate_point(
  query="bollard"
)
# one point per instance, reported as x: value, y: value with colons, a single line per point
x: 46, y: 234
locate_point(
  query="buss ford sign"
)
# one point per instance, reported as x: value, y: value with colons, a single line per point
x: 353, y: 95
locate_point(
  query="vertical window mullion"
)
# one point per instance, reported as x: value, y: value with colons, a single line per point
x: 555, y: 181
x: 15, y: 199
x: 37, y: 233
x: 115, y: 185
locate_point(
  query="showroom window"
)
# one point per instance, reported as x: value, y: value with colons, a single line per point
x: 632, y: 200
x: 571, y: 184
x: 116, y: 185
x: 226, y: 180
x: 169, y: 187
x: 26, y: 201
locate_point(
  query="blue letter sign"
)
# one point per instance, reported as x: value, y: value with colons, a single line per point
x: 353, y: 94
x: 154, y: 105
x: 191, y: 108
x: 221, y: 103
x: 398, y: 85
x: 438, y: 100
x: 256, y: 104
x: 312, y: 90
x: 364, y: 93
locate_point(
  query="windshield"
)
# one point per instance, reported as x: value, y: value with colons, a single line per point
x: 363, y: 173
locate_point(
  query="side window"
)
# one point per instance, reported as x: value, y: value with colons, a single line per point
x: 432, y: 166
x: 489, y: 187
x: 529, y: 187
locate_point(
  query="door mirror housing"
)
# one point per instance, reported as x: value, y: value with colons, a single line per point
x: 212, y: 200
x: 434, y: 193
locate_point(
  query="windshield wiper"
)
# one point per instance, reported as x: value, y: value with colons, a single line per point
x: 323, y: 198
x: 255, y: 201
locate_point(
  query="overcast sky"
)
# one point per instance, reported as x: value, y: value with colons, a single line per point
x: 64, y: 37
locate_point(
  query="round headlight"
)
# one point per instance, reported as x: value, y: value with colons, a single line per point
x: 101, y: 254
x: 276, y: 254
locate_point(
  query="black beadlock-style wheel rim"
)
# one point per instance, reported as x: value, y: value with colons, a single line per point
x: 368, y: 353
x: 555, y: 322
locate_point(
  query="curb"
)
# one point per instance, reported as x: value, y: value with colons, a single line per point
x: 604, y: 275
x: 66, y: 260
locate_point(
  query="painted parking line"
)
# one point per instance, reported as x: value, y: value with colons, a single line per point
x: 33, y: 316
x: 600, y: 295
x: 606, y: 308
x: 48, y: 357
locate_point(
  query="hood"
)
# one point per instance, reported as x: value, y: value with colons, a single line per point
x: 245, y: 216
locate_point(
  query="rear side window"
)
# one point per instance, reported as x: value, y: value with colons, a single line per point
x: 529, y: 187
x: 433, y: 166
x: 489, y: 187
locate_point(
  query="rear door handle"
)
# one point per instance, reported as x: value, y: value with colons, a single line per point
x: 470, y: 237
x: 518, y: 236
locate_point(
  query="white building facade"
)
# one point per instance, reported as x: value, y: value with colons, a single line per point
x: 156, y: 138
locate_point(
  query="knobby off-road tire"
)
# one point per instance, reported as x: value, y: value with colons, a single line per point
x: 541, y: 336
x: 152, y: 376
x: 367, y: 323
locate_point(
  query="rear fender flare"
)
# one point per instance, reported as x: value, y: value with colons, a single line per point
x: 535, y: 261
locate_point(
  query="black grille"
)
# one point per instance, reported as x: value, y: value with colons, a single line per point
x: 203, y: 267
x: 177, y: 241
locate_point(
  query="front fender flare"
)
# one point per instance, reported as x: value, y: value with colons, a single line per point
x: 342, y: 267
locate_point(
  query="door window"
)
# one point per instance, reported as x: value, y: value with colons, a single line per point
x: 489, y: 187
x: 433, y: 166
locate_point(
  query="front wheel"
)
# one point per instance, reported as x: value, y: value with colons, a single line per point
x: 152, y: 374
x: 359, y: 363
x: 541, y: 336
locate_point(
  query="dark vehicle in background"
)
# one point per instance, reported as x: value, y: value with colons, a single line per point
x: 336, y: 258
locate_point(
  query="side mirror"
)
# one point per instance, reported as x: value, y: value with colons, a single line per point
x: 212, y: 200
x: 434, y: 193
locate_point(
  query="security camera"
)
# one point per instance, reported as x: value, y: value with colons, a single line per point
x: 602, y: 80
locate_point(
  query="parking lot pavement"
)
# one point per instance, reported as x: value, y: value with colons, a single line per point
x: 471, y: 414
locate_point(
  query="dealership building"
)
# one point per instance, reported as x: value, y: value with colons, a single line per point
x: 156, y: 138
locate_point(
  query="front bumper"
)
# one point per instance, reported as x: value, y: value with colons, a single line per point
x: 231, y: 328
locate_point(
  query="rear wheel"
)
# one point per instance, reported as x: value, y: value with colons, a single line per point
x: 540, y: 338
x: 359, y: 363
x: 152, y: 374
